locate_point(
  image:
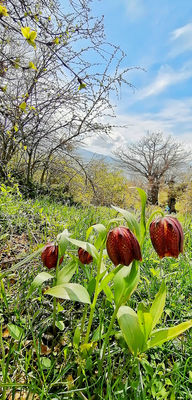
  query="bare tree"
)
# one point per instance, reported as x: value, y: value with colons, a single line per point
x: 43, y: 111
x: 153, y: 158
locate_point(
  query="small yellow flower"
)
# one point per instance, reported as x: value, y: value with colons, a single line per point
x: 3, y: 11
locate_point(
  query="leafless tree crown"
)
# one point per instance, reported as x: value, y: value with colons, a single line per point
x: 153, y: 158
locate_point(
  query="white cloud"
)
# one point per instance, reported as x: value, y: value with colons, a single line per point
x: 181, y: 40
x: 166, y: 76
x: 175, y: 118
x: 183, y: 31
x: 134, y: 9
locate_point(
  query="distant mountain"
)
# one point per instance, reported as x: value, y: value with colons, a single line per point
x: 87, y: 156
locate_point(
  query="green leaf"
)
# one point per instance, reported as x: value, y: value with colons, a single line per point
x: 82, y: 86
x: 56, y: 40
x: 147, y: 319
x: 143, y: 197
x: 150, y: 219
x: 32, y: 43
x: 70, y: 291
x: 125, y: 282
x: 45, y: 362
x: 60, y: 325
x: 16, y: 127
x: 172, y: 395
x: 108, y: 293
x: 23, y: 106
x: 115, y: 221
x: 131, y: 221
x: 101, y: 229
x: 98, y: 334
x: 32, y: 65
x: 129, y: 324
x: 108, y: 277
x: 76, y: 337
x: 190, y: 376
x: 62, y: 240
x: 32, y: 36
x: 29, y: 35
x: 3, y: 11
x: 39, y: 279
x: 15, y: 331
x: 163, y: 335
x: 158, y: 305
x: 25, y: 32
x: 86, y: 246
x: 91, y: 286
x: 141, y: 309
x: 66, y: 273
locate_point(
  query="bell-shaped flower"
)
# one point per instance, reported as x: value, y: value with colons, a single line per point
x: 49, y: 256
x: 84, y: 256
x: 167, y: 236
x: 122, y: 246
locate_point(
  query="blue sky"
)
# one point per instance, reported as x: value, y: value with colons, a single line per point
x: 156, y: 36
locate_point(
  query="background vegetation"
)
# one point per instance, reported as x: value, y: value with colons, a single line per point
x: 31, y: 367
x: 52, y: 97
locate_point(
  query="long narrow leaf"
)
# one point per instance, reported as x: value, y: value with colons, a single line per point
x: 70, y: 291
x: 102, y: 232
x: 129, y: 324
x: 161, y: 336
x: 62, y: 241
x: 150, y: 219
x: 158, y: 305
x: 108, y: 278
x: 131, y: 221
x: 66, y: 273
x: 86, y: 246
x: 39, y: 279
x: 125, y: 282
x: 143, y: 198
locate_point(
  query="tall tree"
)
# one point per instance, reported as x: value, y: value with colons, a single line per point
x: 46, y: 57
x: 153, y: 158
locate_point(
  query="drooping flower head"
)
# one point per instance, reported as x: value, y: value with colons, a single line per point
x: 49, y: 256
x: 167, y: 236
x: 84, y: 256
x: 122, y: 246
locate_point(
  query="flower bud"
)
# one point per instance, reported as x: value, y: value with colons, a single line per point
x: 122, y: 246
x: 167, y: 236
x: 49, y: 256
x: 84, y: 256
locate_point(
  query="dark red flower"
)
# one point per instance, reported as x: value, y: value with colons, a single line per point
x: 49, y: 256
x: 84, y: 256
x: 122, y: 246
x: 167, y: 236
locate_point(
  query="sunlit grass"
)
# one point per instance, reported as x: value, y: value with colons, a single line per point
x: 42, y: 366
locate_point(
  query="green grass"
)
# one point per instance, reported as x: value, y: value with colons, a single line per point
x: 46, y: 365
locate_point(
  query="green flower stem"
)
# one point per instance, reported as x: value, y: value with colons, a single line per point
x: 93, y: 305
x: 123, y: 298
x: 109, y: 332
x: 54, y: 314
x: 54, y: 298
x: 83, y: 319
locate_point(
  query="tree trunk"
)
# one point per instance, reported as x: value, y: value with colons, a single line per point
x: 153, y: 192
x: 3, y: 171
x: 29, y: 168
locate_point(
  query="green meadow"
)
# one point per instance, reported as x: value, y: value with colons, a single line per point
x: 42, y: 361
